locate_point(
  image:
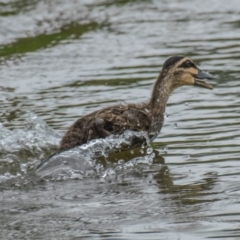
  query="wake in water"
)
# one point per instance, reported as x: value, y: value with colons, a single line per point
x: 22, y: 149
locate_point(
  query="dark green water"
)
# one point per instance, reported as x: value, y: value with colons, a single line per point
x: 63, y: 59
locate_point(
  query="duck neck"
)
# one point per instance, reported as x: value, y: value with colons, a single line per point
x: 160, y: 94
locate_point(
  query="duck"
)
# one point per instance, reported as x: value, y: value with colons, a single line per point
x: 177, y: 71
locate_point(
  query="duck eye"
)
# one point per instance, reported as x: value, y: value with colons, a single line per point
x: 188, y: 63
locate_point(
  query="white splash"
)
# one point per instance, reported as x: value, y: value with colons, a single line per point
x: 34, y: 137
x: 81, y: 160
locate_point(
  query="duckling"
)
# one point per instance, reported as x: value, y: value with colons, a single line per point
x: 177, y: 71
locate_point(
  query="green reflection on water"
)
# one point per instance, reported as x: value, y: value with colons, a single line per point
x: 32, y: 44
x: 15, y: 7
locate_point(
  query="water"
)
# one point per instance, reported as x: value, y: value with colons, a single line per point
x: 62, y: 59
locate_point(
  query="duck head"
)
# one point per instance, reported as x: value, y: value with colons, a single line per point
x: 182, y: 71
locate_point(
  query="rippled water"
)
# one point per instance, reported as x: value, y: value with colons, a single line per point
x: 62, y: 59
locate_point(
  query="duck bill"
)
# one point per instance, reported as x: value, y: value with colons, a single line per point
x: 198, y: 81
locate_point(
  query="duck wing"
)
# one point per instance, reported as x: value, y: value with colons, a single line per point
x: 117, y: 120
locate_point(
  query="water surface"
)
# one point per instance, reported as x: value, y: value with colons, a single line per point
x: 62, y: 59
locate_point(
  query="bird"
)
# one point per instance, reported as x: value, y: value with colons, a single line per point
x: 148, y: 116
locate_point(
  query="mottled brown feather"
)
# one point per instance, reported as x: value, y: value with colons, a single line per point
x: 117, y: 119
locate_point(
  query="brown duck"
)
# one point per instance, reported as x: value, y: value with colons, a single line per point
x: 177, y: 71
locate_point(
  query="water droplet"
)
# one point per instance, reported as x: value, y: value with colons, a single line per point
x: 109, y: 174
x: 121, y: 161
x: 142, y: 151
x: 165, y: 115
x: 149, y: 150
x: 175, y: 125
x: 84, y: 146
x: 165, y: 150
x: 105, y: 154
x: 132, y: 151
x: 24, y: 168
